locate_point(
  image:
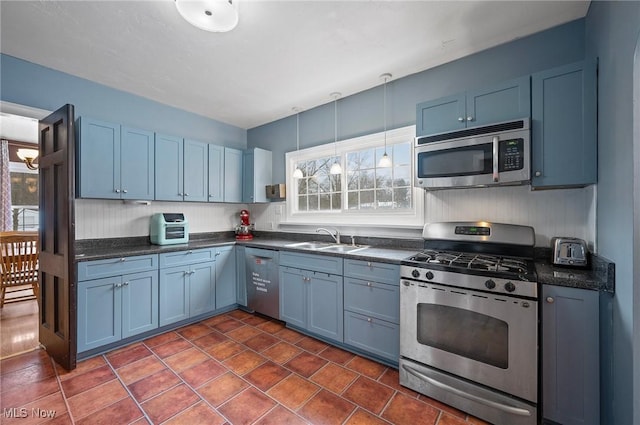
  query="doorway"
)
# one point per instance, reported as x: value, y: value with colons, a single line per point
x: 19, y: 314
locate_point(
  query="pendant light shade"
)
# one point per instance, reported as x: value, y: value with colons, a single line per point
x: 335, y: 168
x: 297, y: 173
x: 385, y: 161
x: 209, y: 15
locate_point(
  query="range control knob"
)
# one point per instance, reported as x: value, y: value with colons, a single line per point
x: 509, y: 287
x: 429, y: 275
x: 490, y: 284
x: 415, y: 273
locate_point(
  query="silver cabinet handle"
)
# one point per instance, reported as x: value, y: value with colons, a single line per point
x: 460, y: 119
x: 122, y: 260
x: 217, y: 253
x: 117, y: 285
x: 496, y: 139
x: 124, y: 190
x: 369, y: 284
x: 550, y: 300
x: 186, y: 194
x: 180, y: 194
x: 469, y: 118
x: 125, y: 284
x: 368, y: 264
x: 538, y: 173
x: 116, y: 190
x: 189, y: 252
x: 369, y: 319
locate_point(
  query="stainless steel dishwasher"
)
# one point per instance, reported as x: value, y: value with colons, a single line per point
x: 263, y: 292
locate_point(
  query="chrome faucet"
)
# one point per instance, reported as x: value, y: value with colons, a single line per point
x: 336, y: 236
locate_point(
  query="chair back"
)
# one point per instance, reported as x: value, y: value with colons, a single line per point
x: 18, y: 258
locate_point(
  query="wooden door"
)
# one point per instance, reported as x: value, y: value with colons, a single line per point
x: 57, y: 236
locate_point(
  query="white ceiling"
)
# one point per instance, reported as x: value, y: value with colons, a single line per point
x: 282, y: 54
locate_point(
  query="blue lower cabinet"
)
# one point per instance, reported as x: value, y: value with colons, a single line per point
x: 225, y: 291
x: 186, y: 291
x: 312, y: 301
x: 116, y: 307
x: 372, y: 335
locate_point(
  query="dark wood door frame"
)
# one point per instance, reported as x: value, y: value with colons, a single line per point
x: 58, y: 325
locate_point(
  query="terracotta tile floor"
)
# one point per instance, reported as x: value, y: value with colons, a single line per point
x: 235, y: 368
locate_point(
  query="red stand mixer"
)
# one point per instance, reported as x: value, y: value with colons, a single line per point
x: 243, y: 230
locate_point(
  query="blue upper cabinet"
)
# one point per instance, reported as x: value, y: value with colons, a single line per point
x: 563, y: 126
x: 99, y: 159
x: 115, y: 162
x: 136, y: 164
x: 196, y: 166
x: 168, y: 164
x: 257, y: 174
x: 216, y: 173
x: 502, y: 102
x: 232, y: 191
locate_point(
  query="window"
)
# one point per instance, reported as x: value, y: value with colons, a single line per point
x: 364, y: 193
x: 24, y: 197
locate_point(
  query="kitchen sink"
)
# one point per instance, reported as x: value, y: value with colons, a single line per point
x: 309, y: 245
x: 344, y: 248
x: 328, y: 247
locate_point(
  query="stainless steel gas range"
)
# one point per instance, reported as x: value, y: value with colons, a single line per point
x: 469, y: 320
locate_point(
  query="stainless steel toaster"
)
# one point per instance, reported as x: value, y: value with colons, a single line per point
x: 569, y: 252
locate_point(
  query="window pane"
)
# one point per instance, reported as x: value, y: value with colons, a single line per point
x: 367, y: 199
x: 336, y: 201
x: 367, y: 158
x: 402, y: 176
x: 352, y: 160
x: 402, y: 197
x: 302, y: 203
x: 336, y: 183
x: 352, y: 200
x: 383, y: 177
x: 384, y: 198
x: 402, y: 154
x: 366, y: 180
x: 323, y: 183
x: 325, y: 202
x: 352, y: 180
x: 313, y: 185
x: 313, y: 203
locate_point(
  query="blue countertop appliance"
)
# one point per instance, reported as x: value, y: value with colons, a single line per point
x: 168, y: 229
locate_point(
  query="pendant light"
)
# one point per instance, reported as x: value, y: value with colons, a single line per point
x: 385, y: 161
x: 335, y: 168
x: 297, y: 174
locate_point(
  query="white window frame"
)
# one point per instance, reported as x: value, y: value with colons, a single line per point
x: 383, y: 217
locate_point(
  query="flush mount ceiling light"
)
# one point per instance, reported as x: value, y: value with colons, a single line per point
x: 335, y: 168
x: 209, y: 15
x: 385, y: 161
x: 297, y: 174
x: 28, y: 156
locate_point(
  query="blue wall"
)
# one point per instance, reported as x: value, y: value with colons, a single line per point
x: 362, y: 113
x: 32, y: 85
x: 612, y: 30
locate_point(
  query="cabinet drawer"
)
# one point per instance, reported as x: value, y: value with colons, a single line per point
x: 372, y: 271
x: 372, y: 299
x: 373, y: 335
x: 88, y: 270
x: 191, y: 256
x: 319, y: 263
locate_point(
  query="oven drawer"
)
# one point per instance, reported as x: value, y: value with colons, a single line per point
x: 370, y: 270
x: 372, y: 335
x: 372, y: 299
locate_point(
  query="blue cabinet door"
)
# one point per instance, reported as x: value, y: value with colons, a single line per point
x: 232, y: 175
x: 99, y: 159
x: 241, y: 276
x: 563, y: 127
x: 440, y: 115
x: 137, y: 164
x: 168, y: 166
x: 372, y: 335
x: 99, y: 312
x: 509, y: 100
x: 173, y: 295
x: 570, y: 355
x: 216, y: 173
x: 257, y: 174
x: 196, y: 171
x: 139, y: 303
x: 325, y: 306
x: 293, y: 300
x: 202, y: 288
x: 225, y: 276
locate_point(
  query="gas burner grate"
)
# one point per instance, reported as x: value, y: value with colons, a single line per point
x: 472, y: 261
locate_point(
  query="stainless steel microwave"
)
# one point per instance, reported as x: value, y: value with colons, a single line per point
x: 497, y: 154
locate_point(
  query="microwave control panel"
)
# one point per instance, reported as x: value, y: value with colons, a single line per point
x: 511, y: 155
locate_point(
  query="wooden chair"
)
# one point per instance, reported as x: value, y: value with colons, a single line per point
x: 18, y: 265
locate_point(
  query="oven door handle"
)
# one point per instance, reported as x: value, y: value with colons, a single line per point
x: 504, y: 407
x: 496, y: 149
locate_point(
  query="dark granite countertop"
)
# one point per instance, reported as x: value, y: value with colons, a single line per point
x: 97, y: 249
x: 599, y: 276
